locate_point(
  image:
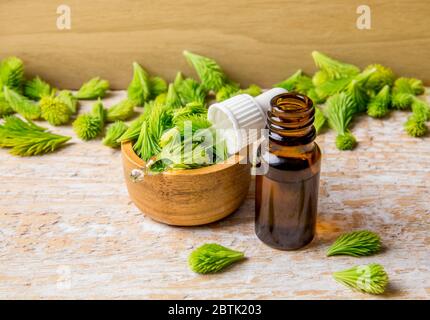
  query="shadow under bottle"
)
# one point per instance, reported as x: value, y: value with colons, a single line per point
x: 287, y: 194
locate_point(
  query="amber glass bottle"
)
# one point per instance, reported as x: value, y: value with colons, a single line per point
x: 287, y: 194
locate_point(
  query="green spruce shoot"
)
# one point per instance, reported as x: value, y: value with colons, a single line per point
x: 339, y: 112
x: 24, y: 138
x: 21, y: 104
x: 93, y: 89
x: 210, y: 73
x: 370, y: 278
x: 37, y: 88
x: 356, y: 244
x: 113, y: 133
x: 212, y: 258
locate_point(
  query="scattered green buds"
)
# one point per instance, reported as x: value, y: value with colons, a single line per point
x: 93, y: 89
x: 319, y: 120
x: 346, y: 141
x: 12, y: 73
x: 370, y: 278
x: 334, y: 69
x: 356, y: 243
x: 37, y: 88
x: 415, y: 126
x: 20, y: 104
x: 383, y: 76
x: 212, y: 257
x: 88, y: 126
x: 54, y: 110
x: 139, y: 89
x: 209, y: 72
x: 379, y: 105
x: 113, y: 133
x: 69, y: 99
x: 5, y: 108
x: 27, y: 139
x: 121, y: 111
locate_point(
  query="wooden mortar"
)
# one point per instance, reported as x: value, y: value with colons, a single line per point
x: 188, y: 197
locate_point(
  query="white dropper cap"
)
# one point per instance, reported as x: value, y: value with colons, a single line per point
x: 235, y: 117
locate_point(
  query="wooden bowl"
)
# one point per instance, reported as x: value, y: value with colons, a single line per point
x: 188, y: 197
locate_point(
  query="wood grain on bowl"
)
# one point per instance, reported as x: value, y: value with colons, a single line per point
x: 188, y: 197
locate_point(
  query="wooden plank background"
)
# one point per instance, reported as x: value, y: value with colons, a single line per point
x: 255, y: 40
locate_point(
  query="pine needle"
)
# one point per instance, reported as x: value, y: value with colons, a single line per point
x: 356, y: 244
x: 212, y: 257
x: 27, y: 139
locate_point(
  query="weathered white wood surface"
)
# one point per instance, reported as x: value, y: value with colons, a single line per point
x: 69, y: 230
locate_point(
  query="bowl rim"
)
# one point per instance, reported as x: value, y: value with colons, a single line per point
x: 128, y: 152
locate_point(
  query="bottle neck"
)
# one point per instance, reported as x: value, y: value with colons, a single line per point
x: 290, y: 120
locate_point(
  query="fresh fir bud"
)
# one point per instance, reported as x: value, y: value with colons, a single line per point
x: 22, y: 105
x: 370, y: 278
x: 209, y: 72
x: 113, y: 133
x: 121, y: 111
x: 37, y: 88
x: 356, y: 243
x: 93, y: 89
x: 212, y: 257
x: 12, y: 73
x: 334, y: 69
x: 54, y: 110
x: 27, y: 139
x: 379, y: 105
x: 89, y: 125
x: 139, y: 89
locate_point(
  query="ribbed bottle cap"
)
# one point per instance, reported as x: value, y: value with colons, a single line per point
x: 234, y: 117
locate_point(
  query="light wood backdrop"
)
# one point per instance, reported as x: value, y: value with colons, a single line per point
x: 254, y: 40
